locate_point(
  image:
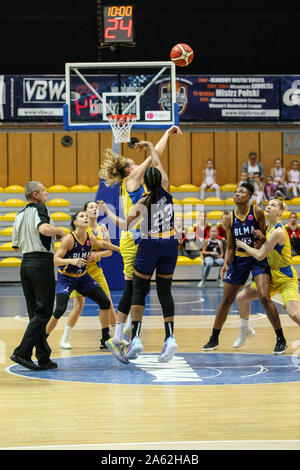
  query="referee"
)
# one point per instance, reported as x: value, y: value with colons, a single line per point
x: 34, y: 235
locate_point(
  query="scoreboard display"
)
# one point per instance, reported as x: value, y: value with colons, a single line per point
x: 118, y: 24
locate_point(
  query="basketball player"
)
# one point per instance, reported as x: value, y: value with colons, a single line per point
x: 284, y: 278
x: 72, y: 258
x: 157, y: 251
x: 95, y: 270
x: 118, y: 169
x: 240, y: 225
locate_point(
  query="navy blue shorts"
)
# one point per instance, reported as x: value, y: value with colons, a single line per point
x: 156, y: 253
x: 66, y: 284
x: 241, y: 267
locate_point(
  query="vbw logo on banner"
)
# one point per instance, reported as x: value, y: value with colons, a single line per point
x: 290, y: 92
x: 183, y: 369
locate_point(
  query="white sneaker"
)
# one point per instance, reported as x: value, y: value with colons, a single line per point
x: 169, y: 350
x: 201, y: 284
x: 65, y: 344
x: 135, y: 348
x: 244, y: 334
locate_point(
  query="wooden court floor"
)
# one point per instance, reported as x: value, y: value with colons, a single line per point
x: 47, y: 413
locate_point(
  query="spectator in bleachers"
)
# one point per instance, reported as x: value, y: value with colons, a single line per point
x: 279, y: 177
x: 294, y: 178
x: 213, y: 254
x: 209, y: 179
x: 258, y: 195
x: 253, y: 166
x: 293, y: 229
x: 201, y: 229
x: 270, y: 189
x: 243, y: 178
x: 221, y: 226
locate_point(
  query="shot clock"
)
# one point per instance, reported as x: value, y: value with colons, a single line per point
x: 118, y: 24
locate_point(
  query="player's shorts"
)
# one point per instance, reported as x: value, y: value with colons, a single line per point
x: 286, y: 285
x: 128, y: 246
x: 241, y: 267
x: 66, y: 284
x: 157, y: 253
x: 98, y: 275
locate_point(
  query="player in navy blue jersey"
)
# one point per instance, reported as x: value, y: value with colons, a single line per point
x: 242, y: 224
x: 158, y: 250
x: 72, y: 257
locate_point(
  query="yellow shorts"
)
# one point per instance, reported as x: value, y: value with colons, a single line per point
x: 128, y: 249
x: 99, y: 277
x: 287, y: 287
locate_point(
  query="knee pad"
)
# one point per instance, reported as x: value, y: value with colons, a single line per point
x: 163, y: 287
x: 61, y: 305
x: 141, y: 288
x: 125, y: 302
x: 98, y: 295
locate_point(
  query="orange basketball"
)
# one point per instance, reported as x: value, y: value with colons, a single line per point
x: 182, y: 54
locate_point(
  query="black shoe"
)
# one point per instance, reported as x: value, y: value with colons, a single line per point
x: 212, y: 344
x: 103, y: 345
x: 48, y: 365
x: 28, y: 363
x: 280, y: 347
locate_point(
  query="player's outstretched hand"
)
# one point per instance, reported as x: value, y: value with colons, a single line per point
x: 174, y: 130
x: 142, y: 145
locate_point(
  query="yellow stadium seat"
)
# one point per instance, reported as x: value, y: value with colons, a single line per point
x: 7, y: 232
x: 191, y: 215
x: 286, y: 215
x: 58, y: 202
x: 14, y: 203
x: 10, y: 262
x: 60, y: 216
x: 176, y: 201
x: 184, y: 261
x: 293, y: 202
x: 229, y: 201
x: 197, y: 260
x: 228, y: 187
x: 57, y: 245
x: 191, y: 200
x: 80, y: 188
x: 58, y: 188
x: 14, y: 188
x: 213, y: 201
x: 214, y: 214
x: 94, y: 189
x: 1, y: 203
x: 10, y: 216
x: 187, y: 188
x: 6, y: 246
x: 173, y: 188
x: 296, y: 259
x: 1, y: 189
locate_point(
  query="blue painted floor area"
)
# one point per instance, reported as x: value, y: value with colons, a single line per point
x: 189, y: 300
x: 183, y: 369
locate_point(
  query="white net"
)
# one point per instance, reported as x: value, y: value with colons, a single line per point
x: 121, y: 125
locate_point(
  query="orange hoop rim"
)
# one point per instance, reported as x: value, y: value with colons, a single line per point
x: 121, y: 117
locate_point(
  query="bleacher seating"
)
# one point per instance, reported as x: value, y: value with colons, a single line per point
x: 63, y: 201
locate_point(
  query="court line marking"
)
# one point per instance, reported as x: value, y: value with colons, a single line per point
x: 153, y: 443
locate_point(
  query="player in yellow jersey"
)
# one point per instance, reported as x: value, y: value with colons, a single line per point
x: 284, y: 279
x: 95, y: 270
x: 119, y: 169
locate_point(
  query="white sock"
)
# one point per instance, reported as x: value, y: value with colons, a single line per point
x: 118, y: 336
x: 244, y: 323
x: 129, y: 322
x: 67, y: 332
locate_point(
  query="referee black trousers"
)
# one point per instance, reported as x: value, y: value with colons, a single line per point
x: 38, y: 282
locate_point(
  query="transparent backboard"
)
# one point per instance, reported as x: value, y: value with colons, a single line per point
x: 94, y: 91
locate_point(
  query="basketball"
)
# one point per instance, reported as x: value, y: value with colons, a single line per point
x: 182, y: 54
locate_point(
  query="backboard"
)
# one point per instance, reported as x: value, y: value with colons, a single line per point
x: 96, y: 90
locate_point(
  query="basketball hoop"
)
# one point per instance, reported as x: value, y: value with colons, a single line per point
x: 121, y: 125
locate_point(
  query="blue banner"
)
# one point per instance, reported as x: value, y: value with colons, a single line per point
x: 200, y: 98
x: 290, y: 98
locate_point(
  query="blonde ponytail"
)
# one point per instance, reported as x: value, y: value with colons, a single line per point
x: 112, y: 169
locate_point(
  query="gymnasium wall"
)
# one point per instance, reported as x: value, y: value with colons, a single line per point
x: 41, y: 156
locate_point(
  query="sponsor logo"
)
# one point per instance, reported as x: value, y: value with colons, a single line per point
x: 46, y: 90
x: 291, y: 97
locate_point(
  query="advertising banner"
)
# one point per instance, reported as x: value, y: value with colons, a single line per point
x: 290, y: 98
